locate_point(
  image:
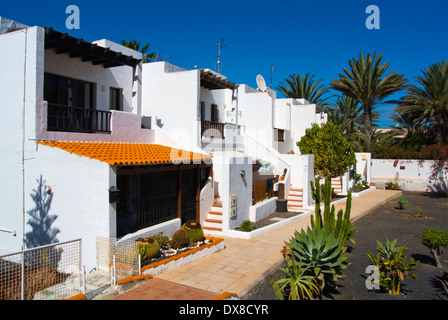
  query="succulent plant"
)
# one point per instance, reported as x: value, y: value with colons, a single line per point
x: 340, y: 225
x: 194, y: 230
x: 321, y: 251
x: 148, y: 248
x: 180, y: 239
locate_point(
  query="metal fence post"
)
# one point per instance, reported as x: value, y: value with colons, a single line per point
x: 23, y: 276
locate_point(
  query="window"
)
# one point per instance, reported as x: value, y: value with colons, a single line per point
x: 116, y: 99
x: 280, y: 135
x: 68, y: 92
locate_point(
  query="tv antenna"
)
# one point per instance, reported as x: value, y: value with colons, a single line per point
x: 221, y: 43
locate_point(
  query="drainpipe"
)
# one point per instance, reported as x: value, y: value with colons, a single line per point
x: 23, y: 166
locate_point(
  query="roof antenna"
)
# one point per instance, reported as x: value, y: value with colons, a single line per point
x: 223, y: 44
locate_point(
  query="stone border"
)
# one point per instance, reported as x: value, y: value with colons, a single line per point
x: 185, y: 257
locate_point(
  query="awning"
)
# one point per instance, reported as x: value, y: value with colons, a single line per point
x: 78, y: 48
x: 212, y: 82
x: 129, y: 153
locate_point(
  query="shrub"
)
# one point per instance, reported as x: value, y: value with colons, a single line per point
x: 435, y: 241
x: 332, y: 153
x: 393, y: 269
x: 247, y: 226
x: 402, y: 202
x: 392, y: 185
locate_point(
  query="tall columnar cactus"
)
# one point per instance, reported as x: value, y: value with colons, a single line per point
x: 341, y: 225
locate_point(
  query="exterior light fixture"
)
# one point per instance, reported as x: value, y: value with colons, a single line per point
x: 114, y: 195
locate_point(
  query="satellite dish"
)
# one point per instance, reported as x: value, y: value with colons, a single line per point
x: 261, y: 83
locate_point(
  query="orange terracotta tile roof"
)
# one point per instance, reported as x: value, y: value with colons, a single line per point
x: 129, y: 153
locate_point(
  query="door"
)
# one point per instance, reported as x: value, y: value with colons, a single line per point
x: 189, y: 195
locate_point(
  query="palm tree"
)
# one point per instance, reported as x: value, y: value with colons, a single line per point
x: 134, y: 45
x: 364, y: 82
x: 427, y: 104
x: 299, y: 87
x: 345, y: 114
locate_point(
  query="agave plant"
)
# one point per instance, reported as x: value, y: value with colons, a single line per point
x: 321, y: 252
x: 393, y: 269
x: 298, y: 281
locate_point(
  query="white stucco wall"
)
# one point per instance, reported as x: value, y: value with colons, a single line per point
x: 257, y: 114
x: 21, y: 69
x: 228, y: 181
x: 172, y: 95
x: 412, y: 175
x: 294, y: 116
x: 80, y: 188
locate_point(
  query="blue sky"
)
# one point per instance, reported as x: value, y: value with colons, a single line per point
x: 294, y: 36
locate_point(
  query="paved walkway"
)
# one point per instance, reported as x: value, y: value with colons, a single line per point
x: 243, y: 263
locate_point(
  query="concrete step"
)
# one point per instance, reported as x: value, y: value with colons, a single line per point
x: 211, y: 228
x: 213, y: 221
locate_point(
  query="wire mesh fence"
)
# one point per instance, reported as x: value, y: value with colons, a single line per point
x: 50, y: 272
x: 120, y: 258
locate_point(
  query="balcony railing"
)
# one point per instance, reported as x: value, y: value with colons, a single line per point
x: 73, y: 119
x: 212, y: 129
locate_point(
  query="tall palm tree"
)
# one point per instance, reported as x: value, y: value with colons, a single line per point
x: 427, y: 102
x: 364, y: 81
x: 299, y: 87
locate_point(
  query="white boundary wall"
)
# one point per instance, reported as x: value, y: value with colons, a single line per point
x: 411, y: 175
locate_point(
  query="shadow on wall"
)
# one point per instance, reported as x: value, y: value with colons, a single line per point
x: 42, y: 233
x: 439, y: 175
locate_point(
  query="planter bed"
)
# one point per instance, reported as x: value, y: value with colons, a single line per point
x: 186, y: 255
x: 269, y: 223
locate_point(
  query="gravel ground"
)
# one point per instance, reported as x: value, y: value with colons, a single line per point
x: 387, y: 223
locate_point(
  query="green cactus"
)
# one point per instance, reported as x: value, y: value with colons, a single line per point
x: 148, y: 248
x: 180, y: 239
x: 193, y: 230
x: 341, y: 225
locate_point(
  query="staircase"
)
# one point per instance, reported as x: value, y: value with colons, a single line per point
x: 295, y: 199
x: 336, y: 184
x: 213, y: 222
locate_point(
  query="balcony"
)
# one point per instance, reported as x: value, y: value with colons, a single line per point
x: 74, y: 119
x: 212, y: 129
